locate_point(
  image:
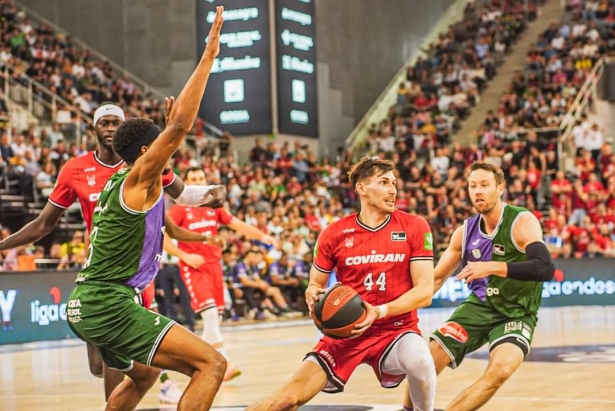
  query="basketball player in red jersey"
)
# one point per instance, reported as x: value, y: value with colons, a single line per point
x: 386, y: 255
x: 200, y: 266
x: 83, y: 178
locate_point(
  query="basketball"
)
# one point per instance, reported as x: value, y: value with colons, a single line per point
x: 337, y: 311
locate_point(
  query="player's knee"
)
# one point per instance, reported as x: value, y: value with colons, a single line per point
x: 498, y: 374
x: 420, y: 369
x: 96, y: 369
x: 215, y: 365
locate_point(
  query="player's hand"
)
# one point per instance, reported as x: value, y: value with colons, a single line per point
x: 269, y: 240
x: 214, y: 198
x: 193, y: 260
x: 168, y: 106
x: 372, y: 315
x: 475, y: 270
x: 216, y: 241
x: 312, y: 294
x: 213, y: 39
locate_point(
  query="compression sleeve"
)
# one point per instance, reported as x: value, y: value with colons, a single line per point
x: 538, y: 267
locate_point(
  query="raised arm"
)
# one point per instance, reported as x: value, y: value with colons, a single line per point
x: 147, y: 169
x: 252, y: 233
x: 181, y: 234
x: 35, y: 229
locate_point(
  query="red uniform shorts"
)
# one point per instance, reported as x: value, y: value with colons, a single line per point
x: 339, y: 358
x: 205, y: 286
x: 148, y: 295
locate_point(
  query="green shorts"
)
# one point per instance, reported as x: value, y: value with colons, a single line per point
x: 108, y: 316
x: 475, y: 323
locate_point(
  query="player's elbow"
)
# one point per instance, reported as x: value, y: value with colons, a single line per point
x: 181, y: 125
x: 546, y: 271
x: 425, y: 297
x: 42, y: 227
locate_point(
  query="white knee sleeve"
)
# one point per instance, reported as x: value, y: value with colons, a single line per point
x: 211, y: 326
x: 410, y: 355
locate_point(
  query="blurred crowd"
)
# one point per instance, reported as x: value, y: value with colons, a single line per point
x: 290, y: 194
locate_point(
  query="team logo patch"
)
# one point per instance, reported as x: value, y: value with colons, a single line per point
x: 499, y: 249
x: 401, y: 236
x: 349, y: 242
x: 91, y: 180
x: 476, y: 253
x: 428, y: 243
x: 211, y: 213
x: 455, y: 331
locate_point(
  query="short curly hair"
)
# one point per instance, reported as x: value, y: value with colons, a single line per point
x: 127, y: 134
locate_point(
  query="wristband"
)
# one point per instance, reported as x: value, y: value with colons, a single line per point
x: 383, y: 311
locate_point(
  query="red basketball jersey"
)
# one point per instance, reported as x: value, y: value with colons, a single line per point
x: 376, y: 261
x: 83, y: 178
x: 203, y: 221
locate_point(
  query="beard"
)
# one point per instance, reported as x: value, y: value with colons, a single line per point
x: 103, y: 143
x: 487, y: 207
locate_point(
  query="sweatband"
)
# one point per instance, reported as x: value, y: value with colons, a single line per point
x: 108, y: 110
x: 192, y: 196
x: 130, y: 153
x: 538, y: 267
x: 383, y: 311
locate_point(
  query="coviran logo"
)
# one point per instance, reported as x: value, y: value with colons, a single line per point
x: 44, y: 314
x: 455, y: 331
x: 375, y: 258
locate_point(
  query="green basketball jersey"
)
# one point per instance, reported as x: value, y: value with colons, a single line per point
x: 125, y: 245
x: 511, y: 298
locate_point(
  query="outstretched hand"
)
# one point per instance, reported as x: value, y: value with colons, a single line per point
x: 213, y: 40
x: 216, y: 241
x: 214, y: 198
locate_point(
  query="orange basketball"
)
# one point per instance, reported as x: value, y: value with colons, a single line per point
x: 337, y: 311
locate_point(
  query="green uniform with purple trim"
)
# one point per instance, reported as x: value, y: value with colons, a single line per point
x: 123, y: 258
x: 499, y: 309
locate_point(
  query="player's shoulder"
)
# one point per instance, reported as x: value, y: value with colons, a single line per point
x: 406, y: 218
x: 344, y: 225
x: 179, y: 209
x: 85, y: 162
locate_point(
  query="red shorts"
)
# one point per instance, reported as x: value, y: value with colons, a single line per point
x: 339, y: 358
x: 205, y: 286
x: 148, y: 295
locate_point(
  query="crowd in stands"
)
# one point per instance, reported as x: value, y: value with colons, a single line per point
x: 440, y: 88
x: 557, y: 65
x: 288, y: 193
x: 35, y: 51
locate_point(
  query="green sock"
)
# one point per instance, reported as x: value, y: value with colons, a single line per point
x: 163, y: 376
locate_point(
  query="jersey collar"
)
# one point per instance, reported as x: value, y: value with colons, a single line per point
x: 105, y: 164
x: 373, y: 230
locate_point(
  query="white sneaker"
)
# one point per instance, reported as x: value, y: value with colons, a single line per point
x: 170, y: 392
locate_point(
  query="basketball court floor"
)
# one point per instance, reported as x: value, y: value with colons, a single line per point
x: 571, y: 367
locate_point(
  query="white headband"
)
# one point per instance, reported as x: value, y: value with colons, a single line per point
x: 108, y: 110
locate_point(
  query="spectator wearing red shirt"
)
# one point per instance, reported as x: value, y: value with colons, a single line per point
x: 534, y: 178
x: 593, y: 185
x: 560, y: 185
x: 586, y: 165
x: 579, y: 198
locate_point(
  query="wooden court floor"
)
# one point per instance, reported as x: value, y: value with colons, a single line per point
x: 57, y: 378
